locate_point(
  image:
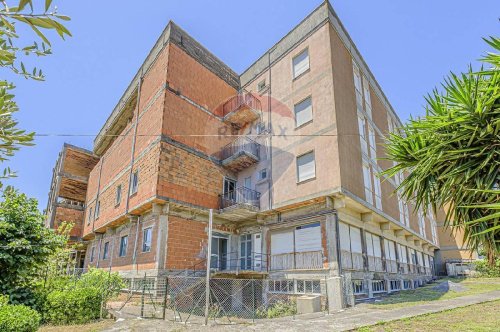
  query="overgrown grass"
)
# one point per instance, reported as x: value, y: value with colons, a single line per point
x: 427, y: 293
x: 90, y: 327
x: 478, y: 317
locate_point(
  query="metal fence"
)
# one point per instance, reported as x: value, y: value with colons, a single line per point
x: 183, y: 298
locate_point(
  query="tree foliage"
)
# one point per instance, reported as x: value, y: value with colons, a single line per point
x: 452, y: 154
x: 25, y: 245
x: 12, y: 51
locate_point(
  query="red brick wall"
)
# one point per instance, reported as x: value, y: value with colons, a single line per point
x: 74, y: 216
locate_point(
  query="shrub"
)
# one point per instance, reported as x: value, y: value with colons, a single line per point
x: 485, y: 270
x: 18, y: 318
x: 4, y: 300
x: 278, y: 309
x: 78, y: 305
x: 108, y: 283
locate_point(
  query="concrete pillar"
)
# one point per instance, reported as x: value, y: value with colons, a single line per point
x: 331, y: 240
x: 266, y: 258
x: 162, y: 212
x: 335, y: 294
x: 370, y: 288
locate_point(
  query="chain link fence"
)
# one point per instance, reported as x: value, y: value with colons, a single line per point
x: 183, y: 298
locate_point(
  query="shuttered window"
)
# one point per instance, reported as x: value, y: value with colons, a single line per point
x: 300, y: 63
x: 303, y: 112
x: 306, y: 167
x: 282, y: 243
x: 308, y: 238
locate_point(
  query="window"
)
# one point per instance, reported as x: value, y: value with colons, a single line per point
x: 281, y: 286
x: 105, y: 253
x: 146, y: 239
x: 378, y: 286
x: 134, y: 182
x: 92, y: 254
x: 90, y: 216
x: 373, y: 144
x: 395, y: 285
x: 301, y: 63
x: 421, y: 223
x: 97, y: 209
x: 123, y: 245
x: 303, y: 112
x: 308, y: 287
x: 263, y: 174
x: 306, y: 167
x: 261, y: 86
x: 390, y: 256
x: 357, y: 86
x: 378, y: 192
x: 374, y: 251
x: 366, y: 93
x: 358, y: 287
x: 248, y: 182
x: 367, y: 179
x: 350, y: 247
x: 362, y: 134
x: 118, y: 194
x: 260, y: 127
x: 433, y: 226
x: 406, y: 284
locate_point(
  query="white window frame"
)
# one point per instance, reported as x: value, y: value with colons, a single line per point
x: 264, y: 170
x: 372, y: 141
x: 147, y: 229
x: 121, y: 246
x: 377, y: 190
x: 134, y: 183
x: 313, y: 175
x: 297, y: 73
x: 367, y: 181
x: 362, y: 134
x: 118, y: 197
x: 105, y: 251
x: 308, y: 110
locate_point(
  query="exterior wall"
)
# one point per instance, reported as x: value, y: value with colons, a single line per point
x: 71, y: 215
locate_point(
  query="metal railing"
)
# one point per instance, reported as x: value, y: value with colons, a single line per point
x: 240, y: 195
x: 241, y: 145
x: 234, y: 262
x: 242, y: 99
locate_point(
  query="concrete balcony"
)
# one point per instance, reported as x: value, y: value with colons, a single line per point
x: 239, y: 204
x: 240, y: 154
x: 241, y: 109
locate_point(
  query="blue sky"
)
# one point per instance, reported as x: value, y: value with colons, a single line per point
x: 409, y: 45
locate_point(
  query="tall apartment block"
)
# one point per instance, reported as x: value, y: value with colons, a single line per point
x: 286, y: 154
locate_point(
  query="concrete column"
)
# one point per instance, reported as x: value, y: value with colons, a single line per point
x: 370, y: 288
x: 266, y: 258
x: 335, y: 294
x: 331, y: 240
x: 162, y: 212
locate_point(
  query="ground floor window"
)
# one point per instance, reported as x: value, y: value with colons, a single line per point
x: 308, y: 286
x: 295, y: 286
x: 406, y: 284
x: 358, y: 287
x: 378, y: 286
x: 395, y: 285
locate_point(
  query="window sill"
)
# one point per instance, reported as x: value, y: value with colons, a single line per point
x: 306, y: 180
x: 301, y: 74
x: 303, y: 125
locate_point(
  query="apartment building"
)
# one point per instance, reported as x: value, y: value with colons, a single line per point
x: 285, y: 153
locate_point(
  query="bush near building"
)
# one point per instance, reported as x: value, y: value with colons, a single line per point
x: 17, y: 318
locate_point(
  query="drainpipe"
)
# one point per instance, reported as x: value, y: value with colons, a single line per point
x: 99, y: 252
x: 134, y: 138
x: 98, y: 193
x: 270, y: 133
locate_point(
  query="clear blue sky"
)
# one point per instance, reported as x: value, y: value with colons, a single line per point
x: 409, y: 45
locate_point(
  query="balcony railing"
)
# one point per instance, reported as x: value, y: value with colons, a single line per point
x: 352, y: 260
x: 67, y: 201
x: 375, y: 264
x: 246, y: 100
x: 309, y: 260
x: 243, y: 145
x: 240, y: 195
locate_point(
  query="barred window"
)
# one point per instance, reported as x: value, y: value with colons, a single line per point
x: 358, y: 287
x: 406, y: 284
x: 378, y: 286
x: 308, y: 287
x: 281, y: 286
x: 395, y: 285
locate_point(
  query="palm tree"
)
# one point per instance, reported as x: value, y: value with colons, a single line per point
x: 452, y: 155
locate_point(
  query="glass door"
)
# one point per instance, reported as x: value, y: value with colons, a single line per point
x: 246, y: 252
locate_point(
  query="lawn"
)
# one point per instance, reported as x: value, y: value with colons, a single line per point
x: 91, y: 327
x: 478, y: 317
x: 427, y: 293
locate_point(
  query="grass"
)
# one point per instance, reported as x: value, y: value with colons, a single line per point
x: 90, y: 327
x: 428, y: 294
x: 478, y: 317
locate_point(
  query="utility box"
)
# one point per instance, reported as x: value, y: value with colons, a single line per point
x: 308, y: 304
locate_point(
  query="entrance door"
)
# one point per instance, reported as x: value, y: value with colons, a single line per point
x: 246, y: 252
x: 229, y: 189
x: 219, y: 257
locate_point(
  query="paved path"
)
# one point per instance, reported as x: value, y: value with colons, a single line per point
x: 358, y: 316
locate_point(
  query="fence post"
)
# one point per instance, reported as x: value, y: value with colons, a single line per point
x: 142, y: 296
x: 253, y: 300
x: 165, y: 297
